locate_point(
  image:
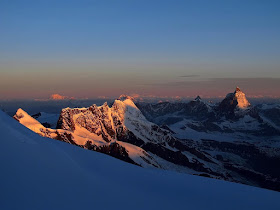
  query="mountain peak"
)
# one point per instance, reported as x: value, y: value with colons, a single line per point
x: 242, y: 101
x: 123, y: 97
x: 198, y: 98
x: 235, y: 101
x: 59, y: 97
x: 237, y: 89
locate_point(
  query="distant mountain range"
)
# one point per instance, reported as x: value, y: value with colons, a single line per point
x: 230, y: 140
x: 56, y: 97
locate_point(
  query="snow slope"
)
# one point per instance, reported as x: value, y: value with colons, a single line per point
x: 47, y: 118
x: 110, y: 122
x: 39, y: 173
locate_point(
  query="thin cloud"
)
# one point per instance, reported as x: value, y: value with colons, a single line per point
x: 190, y: 76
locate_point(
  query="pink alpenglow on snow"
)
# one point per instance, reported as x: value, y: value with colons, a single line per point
x: 241, y: 99
x: 59, y: 97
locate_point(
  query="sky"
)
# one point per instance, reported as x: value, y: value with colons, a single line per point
x: 88, y: 49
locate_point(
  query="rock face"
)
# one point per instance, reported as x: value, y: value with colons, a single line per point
x: 235, y: 105
x: 77, y: 135
x: 121, y: 120
x: 239, y: 96
x: 124, y: 122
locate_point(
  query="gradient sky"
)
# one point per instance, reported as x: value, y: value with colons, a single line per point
x: 150, y: 47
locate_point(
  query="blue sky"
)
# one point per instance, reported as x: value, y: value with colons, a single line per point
x: 91, y: 48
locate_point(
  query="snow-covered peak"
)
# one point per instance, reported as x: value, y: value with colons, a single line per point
x: 238, y: 98
x: 126, y: 108
x: 124, y: 97
x: 126, y: 103
x: 59, y: 97
x: 117, y: 122
x: 198, y: 98
x: 242, y: 101
x: 235, y: 105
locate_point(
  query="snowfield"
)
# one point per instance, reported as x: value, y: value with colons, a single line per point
x: 40, y: 173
